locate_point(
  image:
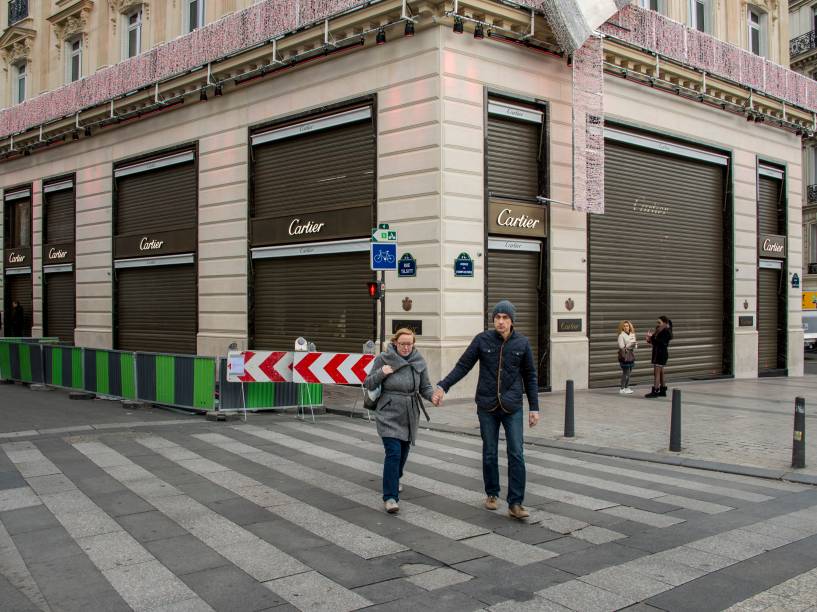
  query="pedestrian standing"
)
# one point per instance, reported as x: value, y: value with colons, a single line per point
x: 17, y: 320
x: 659, y: 339
x: 507, y: 372
x: 627, y: 346
x: 401, y: 373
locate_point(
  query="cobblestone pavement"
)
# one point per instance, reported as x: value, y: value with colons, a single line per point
x: 275, y: 513
x: 743, y: 422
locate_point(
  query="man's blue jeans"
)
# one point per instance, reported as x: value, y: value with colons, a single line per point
x: 489, y: 423
x: 397, y: 451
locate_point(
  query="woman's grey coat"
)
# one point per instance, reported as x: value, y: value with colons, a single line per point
x: 398, y: 407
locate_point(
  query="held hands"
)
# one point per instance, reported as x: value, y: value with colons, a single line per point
x: 533, y: 418
x: 437, y: 396
x: 387, y: 369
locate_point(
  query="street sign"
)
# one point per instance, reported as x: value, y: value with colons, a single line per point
x: 407, y: 266
x: 383, y: 256
x: 383, y: 235
x: 463, y: 265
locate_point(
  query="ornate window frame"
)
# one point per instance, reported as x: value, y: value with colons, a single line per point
x: 70, y: 22
x: 124, y: 7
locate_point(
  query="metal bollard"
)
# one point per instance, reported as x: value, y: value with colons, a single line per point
x: 798, y: 446
x: 570, y: 428
x: 675, y: 422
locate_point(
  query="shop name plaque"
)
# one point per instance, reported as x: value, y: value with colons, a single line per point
x: 311, y: 226
x: 772, y: 245
x: 155, y: 243
x: 746, y: 321
x: 58, y: 253
x: 415, y: 325
x: 517, y: 219
x: 17, y: 257
x: 568, y: 325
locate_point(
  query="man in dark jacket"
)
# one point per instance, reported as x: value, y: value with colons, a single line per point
x: 507, y: 372
x: 17, y: 320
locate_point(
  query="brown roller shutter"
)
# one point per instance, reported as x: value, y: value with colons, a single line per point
x: 513, y: 157
x: 515, y: 276
x: 331, y: 169
x: 769, y: 206
x: 164, y: 199
x: 658, y: 250
x: 18, y: 289
x: 320, y: 297
x: 768, y: 320
x: 59, y: 306
x: 59, y: 216
x: 156, y: 309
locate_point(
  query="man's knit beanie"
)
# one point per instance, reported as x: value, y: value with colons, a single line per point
x: 504, y: 307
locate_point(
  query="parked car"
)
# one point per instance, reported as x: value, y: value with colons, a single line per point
x: 810, y: 329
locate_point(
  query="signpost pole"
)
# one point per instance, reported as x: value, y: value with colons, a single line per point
x: 382, y: 310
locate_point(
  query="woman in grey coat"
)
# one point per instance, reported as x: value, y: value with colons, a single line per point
x: 402, y: 373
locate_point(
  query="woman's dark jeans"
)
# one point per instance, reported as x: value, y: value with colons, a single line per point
x: 489, y: 423
x: 397, y: 451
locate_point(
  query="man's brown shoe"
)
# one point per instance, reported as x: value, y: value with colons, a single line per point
x: 491, y: 502
x: 518, y: 512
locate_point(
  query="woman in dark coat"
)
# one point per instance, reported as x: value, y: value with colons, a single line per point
x: 403, y: 376
x: 659, y: 340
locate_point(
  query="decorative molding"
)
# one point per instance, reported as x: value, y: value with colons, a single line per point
x: 70, y: 21
x: 120, y: 7
x: 16, y: 44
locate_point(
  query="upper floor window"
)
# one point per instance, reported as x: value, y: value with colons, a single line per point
x: 18, y: 10
x: 812, y: 235
x: 18, y: 220
x: 133, y: 33
x: 193, y: 14
x: 652, y: 5
x: 20, y: 76
x: 73, y: 58
x: 699, y: 15
x: 757, y: 31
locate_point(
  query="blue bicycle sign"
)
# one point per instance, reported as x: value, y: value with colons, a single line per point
x: 383, y: 256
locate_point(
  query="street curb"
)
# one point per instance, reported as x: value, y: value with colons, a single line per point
x: 701, y: 464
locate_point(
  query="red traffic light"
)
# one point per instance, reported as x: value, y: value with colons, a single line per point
x: 374, y: 290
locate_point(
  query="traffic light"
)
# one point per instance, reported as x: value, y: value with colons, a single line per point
x: 374, y: 290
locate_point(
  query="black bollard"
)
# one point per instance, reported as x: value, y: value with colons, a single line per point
x: 570, y: 427
x: 798, y: 446
x: 675, y: 422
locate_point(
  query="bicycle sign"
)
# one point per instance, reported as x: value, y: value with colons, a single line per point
x: 383, y: 256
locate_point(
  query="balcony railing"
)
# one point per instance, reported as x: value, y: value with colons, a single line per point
x: 18, y: 10
x: 802, y: 44
x: 811, y: 194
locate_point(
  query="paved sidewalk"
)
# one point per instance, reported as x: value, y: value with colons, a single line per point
x: 737, y: 425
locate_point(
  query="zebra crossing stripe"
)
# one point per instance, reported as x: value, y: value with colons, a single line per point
x: 357, y: 540
x: 682, y: 483
x: 257, y: 557
x: 431, y: 520
x: 16, y: 571
x: 504, y: 548
x: 116, y: 554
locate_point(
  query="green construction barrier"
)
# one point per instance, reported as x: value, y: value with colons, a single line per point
x: 185, y: 381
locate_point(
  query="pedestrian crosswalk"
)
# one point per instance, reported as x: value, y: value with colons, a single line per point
x: 291, y: 513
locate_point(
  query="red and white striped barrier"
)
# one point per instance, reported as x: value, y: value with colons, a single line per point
x: 331, y: 368
x: 265, y: 366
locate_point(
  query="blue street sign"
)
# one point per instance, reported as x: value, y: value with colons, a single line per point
x: 463, y: 265
x: 407, y: 266
x: 795, y: 281
x: 383, y: 256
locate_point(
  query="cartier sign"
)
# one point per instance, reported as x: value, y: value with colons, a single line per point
x: 58, y: 253
x: 317, y: 226
x: 772, y: 245
x: 18, y: 257
x: 517, y: 219
x: 154, y: 244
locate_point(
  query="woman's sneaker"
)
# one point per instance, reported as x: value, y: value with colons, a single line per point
x: 627, y: 391
x: 391, y: 506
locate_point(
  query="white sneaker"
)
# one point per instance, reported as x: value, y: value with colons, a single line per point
x: 391, y: 506
x: 622, y: 391
x: 628, y: 391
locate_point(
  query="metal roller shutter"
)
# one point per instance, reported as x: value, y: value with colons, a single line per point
x: 769, y: 202
x: 18, y: 289
x: 156, y: 309
x: 513, y: 157
x: 59, y: 216
x: 60, y: 306
x: 768, y: 329
x: 321, y: 297
x: 158, y: 200
x: 331, y: 169
x: 658, y: 250
x: 515, y: 276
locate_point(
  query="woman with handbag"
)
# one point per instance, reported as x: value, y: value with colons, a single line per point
x: 626, y: 354
x: 659, y: 340
x: 402, y: 375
